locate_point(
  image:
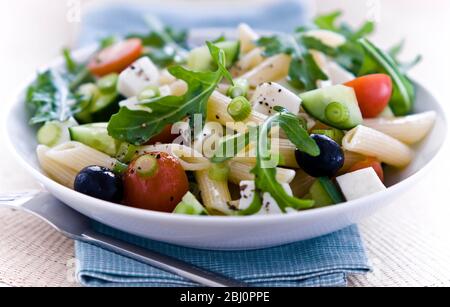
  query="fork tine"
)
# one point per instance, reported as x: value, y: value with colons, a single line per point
x: 9, y: 198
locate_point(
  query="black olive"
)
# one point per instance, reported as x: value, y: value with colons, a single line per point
x: 327, y: 164
x: 101, y: 183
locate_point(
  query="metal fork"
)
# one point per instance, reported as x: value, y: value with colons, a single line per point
x: 76, y: 226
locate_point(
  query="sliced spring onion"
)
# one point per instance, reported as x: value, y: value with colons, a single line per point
x: 126, y: 152
x: 337, y: 112
x: 240, y: 88
x: 190, y: 206
x: 219, y: 172
x: 108, y: 83
x: 240, y: 108
x: 149, y: 93
x: 50, y: 134
x: 120, y: 168
x: 146, y: 166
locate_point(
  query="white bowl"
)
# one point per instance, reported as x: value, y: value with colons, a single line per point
x: 226, y: 233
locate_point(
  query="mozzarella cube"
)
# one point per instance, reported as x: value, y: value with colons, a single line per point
x: 270, y: 206
x: 138, y: 76
x: 247, y: 188
x: 269, y: 95
x: 360, y: 183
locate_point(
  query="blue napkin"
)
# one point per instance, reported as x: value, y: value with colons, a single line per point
x: 122, y: 19
x: 323, y: 261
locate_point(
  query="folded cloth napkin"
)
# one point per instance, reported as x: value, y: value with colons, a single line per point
x: 323, y: 261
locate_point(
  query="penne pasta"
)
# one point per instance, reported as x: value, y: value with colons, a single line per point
x: 280, y: 147
x: 351, y: 158
x: 247, y: 37
x: 165, y: 78
x: 273, y: 68
x: 410, y: 129
x: 247, y: 62
x: 217, y: 112
x: 302, y: 183
x: 215, y: 194
x: 77, y: 156
x: 178, y: 88
x: 242, y: 171
x: 58, y: 172
x: 189, y: 158
x: 372, y: 143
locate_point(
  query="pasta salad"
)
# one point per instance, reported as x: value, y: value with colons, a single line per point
x: 258, y: 125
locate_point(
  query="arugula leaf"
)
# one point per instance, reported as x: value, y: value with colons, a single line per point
x: 329, y: 22
x: 265, y: 172
x: 167, y: 45
x: 350, y: 55
x: 236, y: 142
x: 107, y: 41
x: 395, y: 51
x: 76, y: 73
x: 138, y: 126
x: 304, y: 71
x: 49, y: 98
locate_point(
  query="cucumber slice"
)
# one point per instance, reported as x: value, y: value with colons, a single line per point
x: 200, y: 59
x: 108, y: 84
x: 331, y: 190
x: 336, y: 106
x: 49, y: 134
x: 88, y: 93
x: 55, y: 133
x: 319, y: 195
x: 190, y: 206
x: 97, y: 137
x: 105, y: 106
x: 325, y: 193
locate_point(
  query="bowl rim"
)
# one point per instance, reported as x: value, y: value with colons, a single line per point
x: 255, y: 219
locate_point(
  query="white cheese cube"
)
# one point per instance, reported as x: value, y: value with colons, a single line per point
x: 270, y: 206
x: 138, y: 76
x: 269, y: 95
x: 247, y: 194
x: 360, y: 183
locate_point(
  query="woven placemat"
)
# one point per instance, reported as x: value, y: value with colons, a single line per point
x: 32, y: 253
x: 413, y: 250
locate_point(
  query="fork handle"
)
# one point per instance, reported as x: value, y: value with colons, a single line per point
x: 160, y: 261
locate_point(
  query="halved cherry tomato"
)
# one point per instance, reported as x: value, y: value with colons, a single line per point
x: 116, y: 58
x: 165, y: 137
x: 373, y: 93
x: 155, y: 181
x: 369, y: 162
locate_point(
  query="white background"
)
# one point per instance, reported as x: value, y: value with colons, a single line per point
x: 32, y: 32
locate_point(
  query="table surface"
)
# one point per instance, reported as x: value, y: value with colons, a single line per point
x: 408, y: 242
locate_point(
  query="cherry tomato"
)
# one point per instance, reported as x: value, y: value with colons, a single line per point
x: 155, y: 181
x: 369, y: 162
x: 373, y: 92
x: 116, y: 58
x: 165, y: 137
